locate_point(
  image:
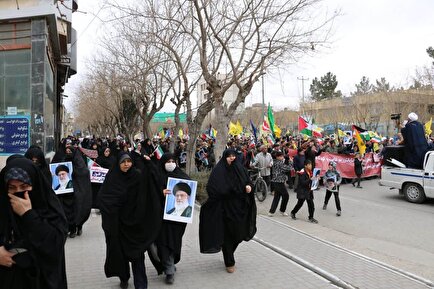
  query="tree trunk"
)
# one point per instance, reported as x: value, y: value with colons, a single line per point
x: 221, y: 125
x: 146, y: 128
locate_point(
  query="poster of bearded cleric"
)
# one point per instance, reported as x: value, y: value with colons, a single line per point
x: 62, y: 177
x: 179, y: 204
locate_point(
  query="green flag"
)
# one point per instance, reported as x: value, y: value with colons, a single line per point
x: 271, y: 118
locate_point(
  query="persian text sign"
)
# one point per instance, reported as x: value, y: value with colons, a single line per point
x: 97, y: 174
x: 14, y: 135
x: 345, y: 164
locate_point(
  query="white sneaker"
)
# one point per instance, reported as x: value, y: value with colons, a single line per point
x: 284, y: 214
x: 270, y: 214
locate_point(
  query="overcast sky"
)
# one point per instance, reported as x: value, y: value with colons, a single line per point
x: 373, y: 38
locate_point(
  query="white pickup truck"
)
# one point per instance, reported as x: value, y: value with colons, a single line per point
x: 416, y: 185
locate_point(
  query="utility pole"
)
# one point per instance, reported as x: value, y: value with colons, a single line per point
x: 263, y: 100
x: 302, y: 86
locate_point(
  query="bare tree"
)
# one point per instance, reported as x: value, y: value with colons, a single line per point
x: 239, y: 39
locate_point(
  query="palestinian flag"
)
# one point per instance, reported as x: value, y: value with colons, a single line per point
x: 364, y: 134
x: 357, y: 133
x: 91, y: 163
x: 158, y: 152
x: 308, y: 129
x: 375, y: 138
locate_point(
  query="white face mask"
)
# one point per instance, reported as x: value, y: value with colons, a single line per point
x: 170, y: 167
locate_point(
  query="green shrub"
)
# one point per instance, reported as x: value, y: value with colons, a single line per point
x: 202, y: 180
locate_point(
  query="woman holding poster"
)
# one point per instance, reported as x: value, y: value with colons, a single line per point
x: 169, y: 241
x: 229, y: 215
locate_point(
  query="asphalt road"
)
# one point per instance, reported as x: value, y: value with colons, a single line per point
x: 376, y: 222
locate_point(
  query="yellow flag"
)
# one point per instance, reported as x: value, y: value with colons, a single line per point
x: 180, y: 133
x: 239, y: 128
x: 340, y: 133
x: 232, y: 129
x: 360, y: 143
x: 427, y: 126
x: 277, y: 131
x: 162, y: 134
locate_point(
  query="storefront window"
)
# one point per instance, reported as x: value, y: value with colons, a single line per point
x: 15, y: 81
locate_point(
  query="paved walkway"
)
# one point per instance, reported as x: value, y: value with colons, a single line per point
x: 351, y: 269
x: 257, y: 265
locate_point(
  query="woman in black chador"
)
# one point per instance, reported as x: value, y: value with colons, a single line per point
x: 36, y: 155
x: 33, y: 230
x: 229, y: 215
x: 129, y: 202
x: 77, y: 205
x: 169, y: 241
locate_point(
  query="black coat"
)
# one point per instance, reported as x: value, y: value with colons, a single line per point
x: 358, y: 169
x: 303, y: 188
x: 41, y: 231
x: 228, y: 209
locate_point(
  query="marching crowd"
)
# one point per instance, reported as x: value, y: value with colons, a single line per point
x: 35, y: 221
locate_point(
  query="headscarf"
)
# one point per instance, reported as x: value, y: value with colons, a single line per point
x: 176, y: 173
x: 36, y: 152
x: 106, y: 162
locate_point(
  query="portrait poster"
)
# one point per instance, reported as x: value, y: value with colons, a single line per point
x: 179, y: 204
x: 331, y: 184
x: 183, y: 158
x: 62, y: 177
x: 315, y: 178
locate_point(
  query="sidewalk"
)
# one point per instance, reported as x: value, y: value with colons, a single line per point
x: 257, y: 266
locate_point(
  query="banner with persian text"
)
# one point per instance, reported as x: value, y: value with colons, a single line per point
x: 345, y: 164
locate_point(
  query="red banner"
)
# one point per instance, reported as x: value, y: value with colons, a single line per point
x: 93, y: 154
x: 345, y: 164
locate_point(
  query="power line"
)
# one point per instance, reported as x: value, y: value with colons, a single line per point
x: 88, y: 25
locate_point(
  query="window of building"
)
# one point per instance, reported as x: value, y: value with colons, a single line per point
x: 49, y: 106
x: 15, y: 81
x: 15, y: 35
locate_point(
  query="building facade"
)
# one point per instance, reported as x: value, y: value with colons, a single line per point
x: 37, y: 56
x: 229, y: 97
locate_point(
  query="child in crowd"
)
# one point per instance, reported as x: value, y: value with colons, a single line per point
x: 332, y: 180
